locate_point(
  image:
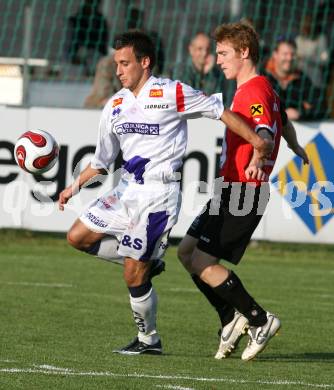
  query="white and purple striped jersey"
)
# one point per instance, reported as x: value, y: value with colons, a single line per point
x: 151, y: 129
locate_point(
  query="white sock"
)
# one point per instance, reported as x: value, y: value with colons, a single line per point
x: 144, y: 311
x: 108, y: 250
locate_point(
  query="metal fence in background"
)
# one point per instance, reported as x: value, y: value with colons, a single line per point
x: 49, y: 49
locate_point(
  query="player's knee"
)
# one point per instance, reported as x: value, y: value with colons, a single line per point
x: 206, y: 273
x: 71, y: 238
x: 76, y: 240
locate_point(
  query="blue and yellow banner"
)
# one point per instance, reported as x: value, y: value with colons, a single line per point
x: 309, y: 189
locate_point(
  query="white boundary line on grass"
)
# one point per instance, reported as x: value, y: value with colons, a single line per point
x: 51, y: 370
x: 175, y: 387
x: 37, y: 284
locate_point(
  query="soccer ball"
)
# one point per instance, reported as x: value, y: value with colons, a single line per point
x: 36, y: 151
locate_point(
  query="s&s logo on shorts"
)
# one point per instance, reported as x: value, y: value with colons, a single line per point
x: 256, y: 109
x: 135, y: 243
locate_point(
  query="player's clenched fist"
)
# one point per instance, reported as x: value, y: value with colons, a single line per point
x: 64, y: 197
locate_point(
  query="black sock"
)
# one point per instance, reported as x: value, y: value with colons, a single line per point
x: 141, y: 290
x: 224, y: 309
x: 94, y: 248
x: 233, y: 292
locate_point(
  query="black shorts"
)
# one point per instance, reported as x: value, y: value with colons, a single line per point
x: 226, y: 224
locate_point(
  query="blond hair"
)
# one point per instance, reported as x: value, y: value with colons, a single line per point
x: 241, y: 36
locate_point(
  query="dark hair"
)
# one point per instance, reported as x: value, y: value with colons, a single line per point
x: 141, y: 43
x: 198, y: 34
x: 285, y: 39
x: 241, y: 36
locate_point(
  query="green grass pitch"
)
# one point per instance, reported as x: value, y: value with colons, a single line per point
x: 62, y: 312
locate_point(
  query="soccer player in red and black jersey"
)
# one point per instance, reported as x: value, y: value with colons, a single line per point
x: 225, y: 227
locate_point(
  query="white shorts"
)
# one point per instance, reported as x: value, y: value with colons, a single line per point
x: 140, y: 216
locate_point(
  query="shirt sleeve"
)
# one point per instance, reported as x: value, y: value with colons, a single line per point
x: 261, y: 106
x: 107, y: 146
x: 193, y: 104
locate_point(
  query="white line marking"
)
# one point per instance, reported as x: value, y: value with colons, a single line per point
x: 47, y: 367
x: 70, y: 372
x: 317, y: 290
x: 175, y: 387
x: 37, y: 284
x: 325, y: 296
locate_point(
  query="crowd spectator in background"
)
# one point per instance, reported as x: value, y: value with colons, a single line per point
x: 325, y: 18
x: 303, y: 100
x: 105, y: 84
x: 87, y: 36
x: 312, y: 50
x: 330, y: 77
x: 199, y: 71
x: 135, y: 19
x: 258, y: 25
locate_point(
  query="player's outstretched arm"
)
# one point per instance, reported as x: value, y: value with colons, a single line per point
x: 87, y: 174
x: 241, y: 128
x: 290, y: 136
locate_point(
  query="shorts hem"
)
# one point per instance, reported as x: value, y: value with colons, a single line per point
x: 92, y: 227
x: 229, y: 259
x: 193, y: 233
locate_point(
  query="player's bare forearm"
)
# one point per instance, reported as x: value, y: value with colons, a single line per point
x: 87, y: 174
x: 290, y: 136
x: 241, y: 128
x: 254, y: 169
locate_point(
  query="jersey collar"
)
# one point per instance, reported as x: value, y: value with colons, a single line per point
x: 146, y: 86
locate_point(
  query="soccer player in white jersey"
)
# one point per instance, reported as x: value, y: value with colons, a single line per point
x: 147, y: 121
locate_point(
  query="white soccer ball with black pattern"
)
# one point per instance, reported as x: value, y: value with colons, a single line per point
x: 36, y: 151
